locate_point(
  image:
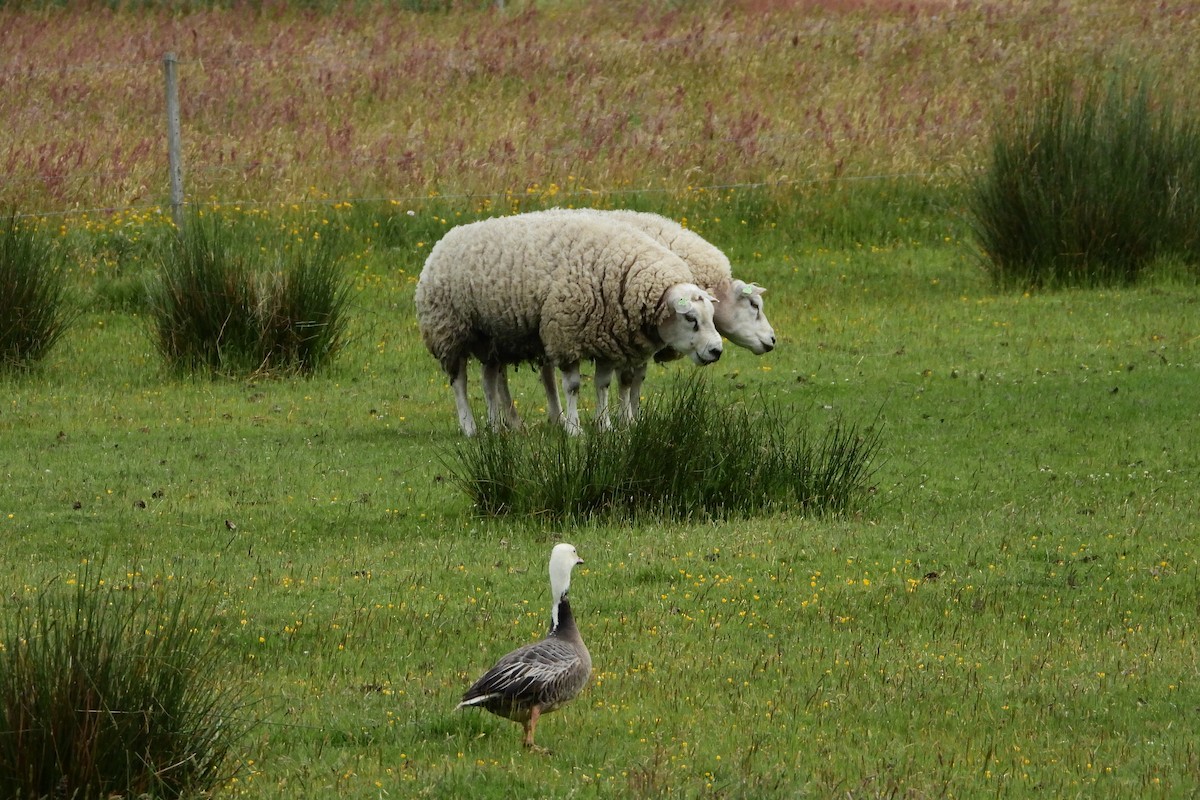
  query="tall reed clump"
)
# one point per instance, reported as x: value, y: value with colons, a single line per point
x: 685, y: 456
x: 112, y: 693
x: 303, y: 317
x: 34, y: 310
x: 221, y: 305
x: 1088, y: 184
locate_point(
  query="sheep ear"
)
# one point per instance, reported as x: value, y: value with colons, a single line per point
x: 711, y: 297
x: 747, y: 289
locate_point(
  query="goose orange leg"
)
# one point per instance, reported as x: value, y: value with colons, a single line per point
x: 534, y: 713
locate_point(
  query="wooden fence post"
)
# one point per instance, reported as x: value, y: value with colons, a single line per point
x: 174, y: 145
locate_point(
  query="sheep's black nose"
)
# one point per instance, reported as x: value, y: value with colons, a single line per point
x: 712, y: 354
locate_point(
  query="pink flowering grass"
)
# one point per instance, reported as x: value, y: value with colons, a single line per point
x: 367, y: 100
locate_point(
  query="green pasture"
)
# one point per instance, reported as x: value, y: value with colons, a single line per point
x: 1013, y: 614
x: 1013, y: 611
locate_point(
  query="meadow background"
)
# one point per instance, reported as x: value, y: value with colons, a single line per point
x: 1012, y: 613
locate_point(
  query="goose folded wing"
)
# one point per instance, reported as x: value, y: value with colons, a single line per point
x: 530, y: 674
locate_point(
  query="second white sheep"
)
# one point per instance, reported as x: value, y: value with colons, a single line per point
x: 738, y: 315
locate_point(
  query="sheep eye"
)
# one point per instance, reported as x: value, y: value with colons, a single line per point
x: 690, y: 317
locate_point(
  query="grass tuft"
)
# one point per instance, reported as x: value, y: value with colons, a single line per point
x: 303, y: 314
x: 33, y: 307
x: 220, y: 307
x: 1088, y: 185
x: 112, y: 693
x: 686, y: 456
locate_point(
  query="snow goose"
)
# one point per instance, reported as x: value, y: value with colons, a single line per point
x: 541, y: 676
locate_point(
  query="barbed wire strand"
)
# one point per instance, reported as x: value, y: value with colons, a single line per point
x: 336, y: 59
x: 424, y: 198
x: 261, y: 164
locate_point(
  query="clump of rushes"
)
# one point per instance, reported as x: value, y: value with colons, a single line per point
x: 1087, y: 185
x: 111, y: 693
x: 34, y: 311
x: 205, y: 304
x: 303, y: 314
x: 220, y: 306
x: 686, y: 456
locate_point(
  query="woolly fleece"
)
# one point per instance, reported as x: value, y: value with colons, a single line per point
x: 567, y: 287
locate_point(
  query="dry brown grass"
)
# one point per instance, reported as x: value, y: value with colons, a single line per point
x: 369, y: 101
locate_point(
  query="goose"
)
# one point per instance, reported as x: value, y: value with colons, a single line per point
x: 541, y: 676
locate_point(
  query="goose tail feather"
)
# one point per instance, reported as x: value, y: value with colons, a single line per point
x: 474, y: 701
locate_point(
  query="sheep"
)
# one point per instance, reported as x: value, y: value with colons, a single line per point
x: 556, y: 290
x: 738, y: 316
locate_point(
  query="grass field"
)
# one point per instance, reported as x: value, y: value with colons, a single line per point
x: 1014, y: 614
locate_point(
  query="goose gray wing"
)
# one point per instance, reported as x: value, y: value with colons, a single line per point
x: 544, y: 673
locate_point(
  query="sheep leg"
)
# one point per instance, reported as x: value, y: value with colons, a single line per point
x: 491, y: 372
x: 550, y: 384
x: 458, y: 382
x: 603, y: 380
x: 571, y: 382
x: 631, y: 391
x: 504, y: 399
x: 502, y: 412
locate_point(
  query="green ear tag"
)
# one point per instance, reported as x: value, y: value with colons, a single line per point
x: 747, y: 290
x: 682, y: 304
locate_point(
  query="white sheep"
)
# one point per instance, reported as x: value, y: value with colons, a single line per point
x: 556, y: 290
x: 738, y: 315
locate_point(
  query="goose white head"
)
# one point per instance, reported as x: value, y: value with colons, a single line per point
x: 562, y: 559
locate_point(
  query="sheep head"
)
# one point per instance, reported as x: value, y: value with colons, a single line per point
x: 685, y: 323
x: 739, y: 316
